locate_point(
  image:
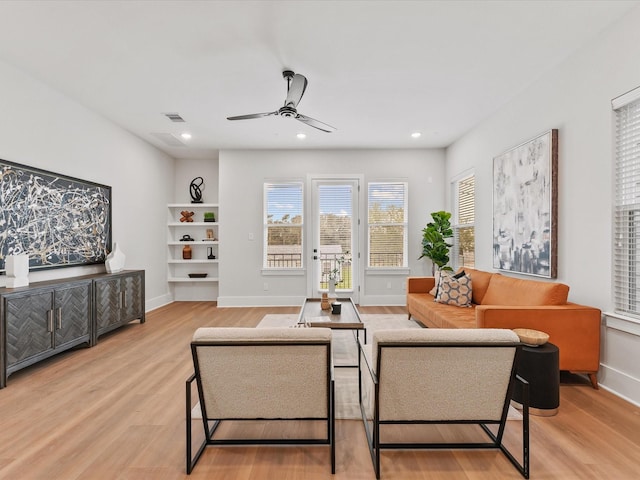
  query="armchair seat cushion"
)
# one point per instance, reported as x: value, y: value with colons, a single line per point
x: 287, y: 381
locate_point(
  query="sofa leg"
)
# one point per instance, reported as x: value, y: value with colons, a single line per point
x: 594, y: 380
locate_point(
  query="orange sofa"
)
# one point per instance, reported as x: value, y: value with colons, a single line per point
x: 500, y: 301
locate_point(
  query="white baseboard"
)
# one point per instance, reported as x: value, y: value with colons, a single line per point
x: 157, y: 302
x: 620, y: 384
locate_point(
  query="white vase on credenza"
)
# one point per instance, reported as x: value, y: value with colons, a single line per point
x: 115, y: 260
x: 17, y: 270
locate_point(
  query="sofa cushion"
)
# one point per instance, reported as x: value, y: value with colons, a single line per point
x: 505, y: 290
x: 480, y: 283
x: 455, y: 290
x: 438, y: 315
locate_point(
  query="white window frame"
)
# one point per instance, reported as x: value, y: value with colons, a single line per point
x: 405, y: 226
x: 266, y: 269
x: 455, y: 219
x: 626, y: 202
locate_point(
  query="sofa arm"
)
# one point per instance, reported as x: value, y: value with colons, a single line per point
x: 574, y: 328
x: 420, y: 284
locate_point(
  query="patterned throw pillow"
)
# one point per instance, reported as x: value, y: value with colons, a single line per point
x: 455, y: 291
x: 438, y: 276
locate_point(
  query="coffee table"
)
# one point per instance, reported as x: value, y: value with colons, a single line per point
x: 312, y: 315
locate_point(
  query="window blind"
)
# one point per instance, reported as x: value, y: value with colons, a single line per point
x: 336, y: 218
x: 387, y: 219
x: 626, y: 249
x: 283, y: 223
x: 463, y: 228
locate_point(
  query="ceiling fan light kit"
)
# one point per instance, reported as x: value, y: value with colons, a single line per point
x: 296, y: 86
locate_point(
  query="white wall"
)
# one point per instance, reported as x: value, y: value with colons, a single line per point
x: 42, y: 128
x: 575, y: 98
x: 242, y: 175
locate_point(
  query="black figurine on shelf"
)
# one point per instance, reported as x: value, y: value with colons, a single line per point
x: 195, y: 190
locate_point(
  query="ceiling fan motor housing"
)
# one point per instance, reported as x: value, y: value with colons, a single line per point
x: 287, y: 111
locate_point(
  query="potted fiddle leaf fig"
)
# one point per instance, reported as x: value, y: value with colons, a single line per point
x: 434, y: 244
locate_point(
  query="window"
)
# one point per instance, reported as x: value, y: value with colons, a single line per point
x: 626, y: 220
x: 463, y: 219
x: 283, y: 224
x: 387, y: 219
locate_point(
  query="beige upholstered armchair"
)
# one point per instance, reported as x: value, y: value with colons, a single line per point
x: 440, y: 376
x: 268, y: 374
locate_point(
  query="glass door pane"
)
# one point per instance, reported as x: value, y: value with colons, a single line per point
x: 335, y: 207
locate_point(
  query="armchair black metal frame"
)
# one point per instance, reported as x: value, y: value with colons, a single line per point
x: 210, y: 424
x: 373, y: 431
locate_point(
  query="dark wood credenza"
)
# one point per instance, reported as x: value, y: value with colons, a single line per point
x: 46, y: 318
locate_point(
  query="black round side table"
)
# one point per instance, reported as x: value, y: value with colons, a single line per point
x: 539, y: 366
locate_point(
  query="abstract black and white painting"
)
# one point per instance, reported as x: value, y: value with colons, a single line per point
x: 57, y: 220
x: 525, y: 204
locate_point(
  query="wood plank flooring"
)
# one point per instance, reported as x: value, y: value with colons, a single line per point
x: 116, y: 411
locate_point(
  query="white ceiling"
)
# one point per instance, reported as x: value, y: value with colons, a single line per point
x: 377, y: 70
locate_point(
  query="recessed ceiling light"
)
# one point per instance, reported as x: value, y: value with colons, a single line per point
x: 186, y: 135
x: 416, y: 135
x: 301, y: 136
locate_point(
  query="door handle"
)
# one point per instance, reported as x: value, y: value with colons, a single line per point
x: 59, y: 318
x: 49, y: 320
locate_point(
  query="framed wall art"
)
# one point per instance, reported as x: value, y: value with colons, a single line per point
x: 59, y: 221
x: 525, y: 207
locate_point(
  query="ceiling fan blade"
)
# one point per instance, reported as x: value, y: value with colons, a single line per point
x: 253, y: 115
x: 296, y: 89
x: 315, y: 123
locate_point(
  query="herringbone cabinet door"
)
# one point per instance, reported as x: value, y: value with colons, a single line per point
x: 133, y: 291
x: 74, y: 314
x: 27, y: 324
x: 107, y: 303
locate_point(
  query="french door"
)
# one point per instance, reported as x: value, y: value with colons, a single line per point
x: 334, y: 236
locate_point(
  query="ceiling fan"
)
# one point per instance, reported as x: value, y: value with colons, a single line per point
x: 296, y: 85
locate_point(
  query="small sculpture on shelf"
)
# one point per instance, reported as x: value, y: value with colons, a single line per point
x: 186, y: 216
x: 195, y: 190
x: 186, y: 252
x: 210, y: 254
x: 210, y: 236
x: 209, y: 217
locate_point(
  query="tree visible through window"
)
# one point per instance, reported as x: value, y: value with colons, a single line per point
x: 464, y: 240
x: 283, y: 224
x: 387, y: 219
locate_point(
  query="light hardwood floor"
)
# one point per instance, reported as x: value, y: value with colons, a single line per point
x: 116, y: 411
